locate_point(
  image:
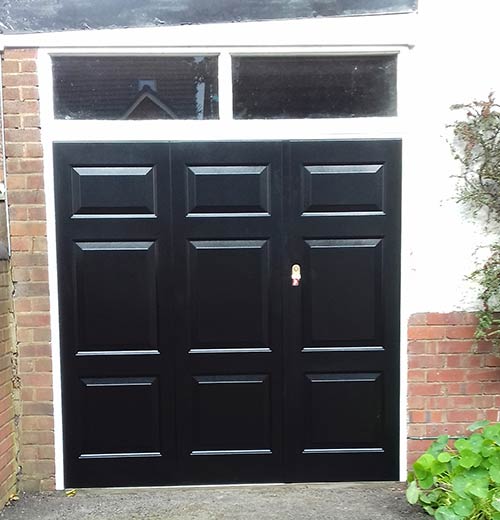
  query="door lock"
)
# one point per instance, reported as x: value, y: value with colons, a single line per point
x: 296, y: 276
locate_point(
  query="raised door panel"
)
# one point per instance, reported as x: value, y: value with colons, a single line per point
x: 120, y: 417
x: 229, y: 294
x: 337, y: 424
x: 231, y: 415
x: 116, y: 296
x: 342, y: 301
x: 110, y: 191
x: 228, y: 190
x: 339, y: 188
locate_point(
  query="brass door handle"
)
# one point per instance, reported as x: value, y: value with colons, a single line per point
x: 296, y: 276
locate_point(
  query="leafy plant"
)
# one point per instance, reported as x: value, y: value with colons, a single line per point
x: 477, y: 147
x: 460, y: 482
x: 488, y: 278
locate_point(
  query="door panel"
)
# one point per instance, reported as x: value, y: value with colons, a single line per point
x: 108, y: 191
x: 341, y: 323
x: 229, y: 297
x: 228, y: 249
x: 231, y: 415
x: 111, y: 431
x: 188, y: 355
x: 335, y: 270
x: 337, y: 188
x: 336, y: 423
x: 117, y: 348
x: 116, y: 298
x: 228, y: 189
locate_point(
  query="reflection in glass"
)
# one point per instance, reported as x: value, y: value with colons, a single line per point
x: 135, y: 87
x: 314, y: 86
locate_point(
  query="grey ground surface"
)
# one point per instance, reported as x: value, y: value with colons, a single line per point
x: 371, y: 501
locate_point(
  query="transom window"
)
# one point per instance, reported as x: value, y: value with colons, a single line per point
x: 187, y: 87
x: 135, y: 87
x: 314, y: 87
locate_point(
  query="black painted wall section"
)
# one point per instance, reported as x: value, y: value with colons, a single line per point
x: 22, y: 16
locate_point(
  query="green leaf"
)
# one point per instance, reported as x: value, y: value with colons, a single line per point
x: 492, y: 432
x: 463, y: 507
x: 427, y: 482
x: 412, y: 493
x: 444, y: 457
x: 494, y: 458
x: 455, y: 465
x: 461, y: 445
x: 446, y: 513
x: 424, y: 462
x: 431, y: 498
x: 478, y: 425
x: 422, y: 467
x: 442, y: 440
x: 470, y: 459
x: 495, y: 474
x: 438, y: 445
x: 476, y: 442
x: 429, y: 510
x: 459, y: 485
x: 488, y: 448
x: 495, y: 501
x: 478, y: 488
x: 438, y: 468
x: 478, y: 474
x: 425, y: 499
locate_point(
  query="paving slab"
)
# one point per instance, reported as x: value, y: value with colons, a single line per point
x: 352, y: 501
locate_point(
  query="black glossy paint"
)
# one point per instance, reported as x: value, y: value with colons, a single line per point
x: 188, y: 357
x: 60, y: 15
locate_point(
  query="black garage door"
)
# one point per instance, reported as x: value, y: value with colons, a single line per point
x: 189, y: 354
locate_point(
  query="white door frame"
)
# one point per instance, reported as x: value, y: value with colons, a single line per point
x: 324, y: 36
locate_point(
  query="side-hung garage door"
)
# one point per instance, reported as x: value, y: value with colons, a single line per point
x: 229, y: 311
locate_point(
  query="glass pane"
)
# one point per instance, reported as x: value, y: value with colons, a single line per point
x: 314, y: 86
x: 135, y: 87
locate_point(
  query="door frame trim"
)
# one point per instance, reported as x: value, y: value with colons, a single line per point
x: 221, y: 130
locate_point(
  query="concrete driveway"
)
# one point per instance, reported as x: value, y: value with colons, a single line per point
x: 363, y: 501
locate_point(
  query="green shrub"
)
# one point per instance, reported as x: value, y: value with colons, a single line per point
x: 477, y: 148
x: 462, y: 481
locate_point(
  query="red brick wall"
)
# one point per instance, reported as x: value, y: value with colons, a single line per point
x: 29, y: 265
x: 8, y: 384
x: 452, y: 380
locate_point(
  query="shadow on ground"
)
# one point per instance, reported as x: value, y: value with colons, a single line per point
x: 363, y: 501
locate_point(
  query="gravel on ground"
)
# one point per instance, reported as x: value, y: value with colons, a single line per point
x: 345, y: 501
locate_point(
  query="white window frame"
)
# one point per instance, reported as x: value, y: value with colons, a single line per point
x: 349, y: 36
x: 224, y: 128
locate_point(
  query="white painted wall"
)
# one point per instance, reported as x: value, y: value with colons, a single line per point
x: 455, y: 60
